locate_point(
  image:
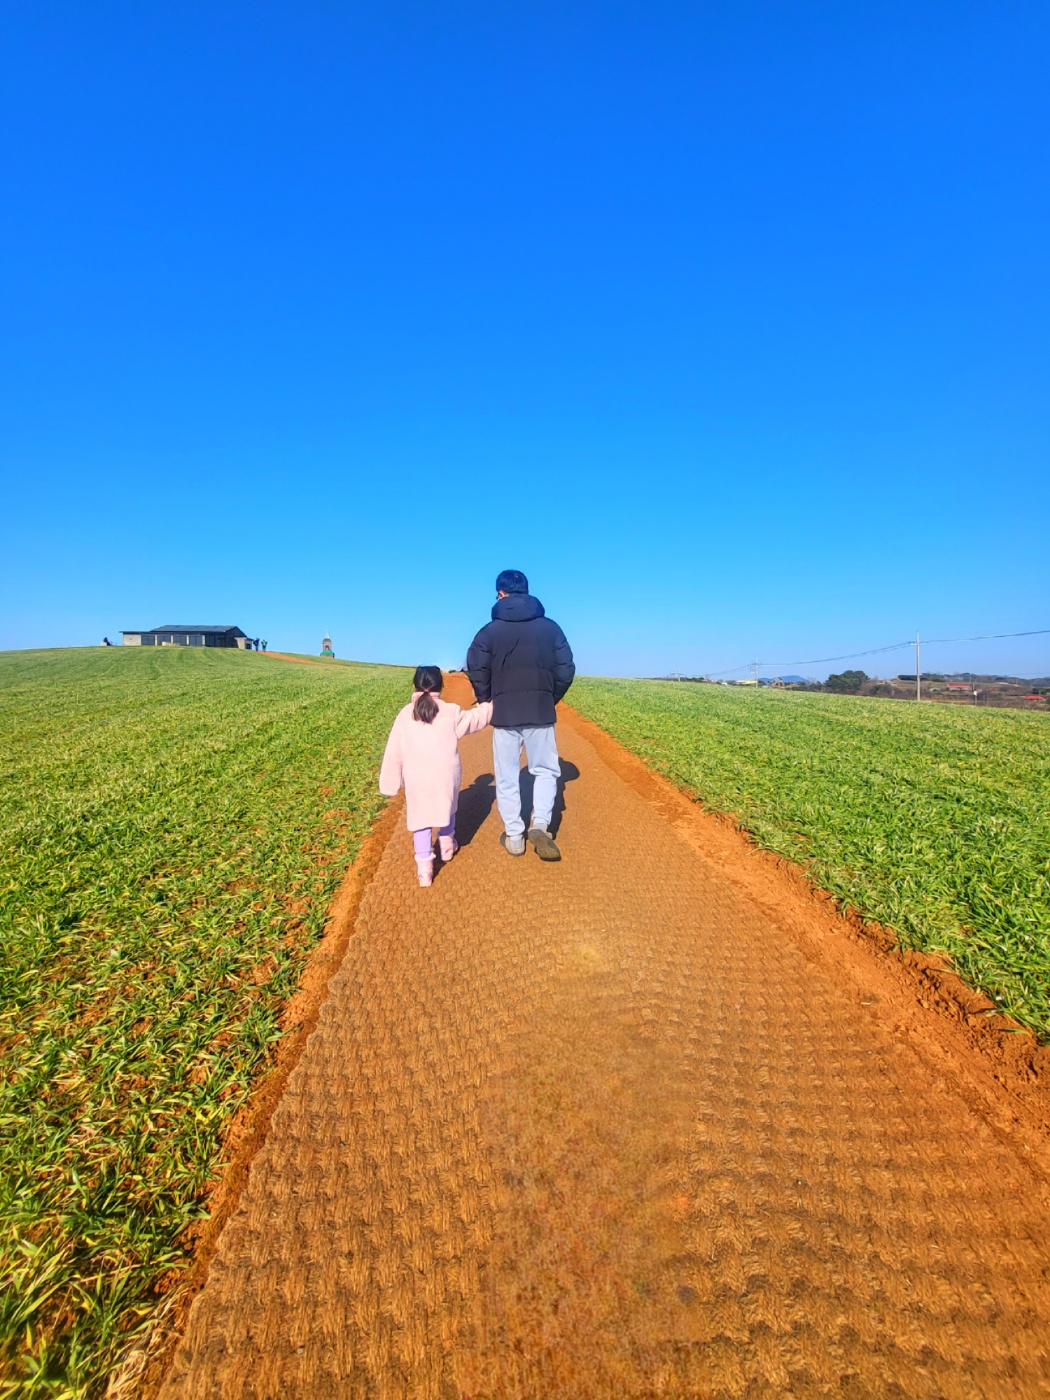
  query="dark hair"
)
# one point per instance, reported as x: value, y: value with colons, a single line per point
x: 427, y: 679
x: 512, y: 581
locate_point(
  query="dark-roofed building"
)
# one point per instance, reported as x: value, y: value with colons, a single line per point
x: 186, y: 635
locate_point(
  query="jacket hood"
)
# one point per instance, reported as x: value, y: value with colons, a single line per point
x: 517, y: 607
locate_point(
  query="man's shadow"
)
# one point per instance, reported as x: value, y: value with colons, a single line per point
x: 569, y: 774
x: 477, y: 801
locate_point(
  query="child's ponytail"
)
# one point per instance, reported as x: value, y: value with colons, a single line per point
x: 427, y: 679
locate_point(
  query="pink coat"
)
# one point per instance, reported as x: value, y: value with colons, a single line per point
x: 425, y: 757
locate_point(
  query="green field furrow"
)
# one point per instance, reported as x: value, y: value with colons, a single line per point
x: 174, y: 823
x: 932, y: 820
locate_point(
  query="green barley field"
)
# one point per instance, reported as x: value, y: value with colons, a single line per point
x: 174, y: 823
x: 930, y: 819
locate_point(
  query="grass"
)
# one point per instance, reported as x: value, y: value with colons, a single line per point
x: 932, y: 820
x: 174, y: 823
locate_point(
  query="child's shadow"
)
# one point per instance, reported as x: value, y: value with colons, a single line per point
x: 475, y: 803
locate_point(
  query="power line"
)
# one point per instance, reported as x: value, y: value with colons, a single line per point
x: 813, y: 660
x: 849, y: 656
x: 731, y: 670
x: 877, y: 651
x: 992, y: 637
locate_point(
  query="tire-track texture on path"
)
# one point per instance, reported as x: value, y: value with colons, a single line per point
x: 598, y: 1128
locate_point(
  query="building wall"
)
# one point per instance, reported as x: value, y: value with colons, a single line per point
x: 183, y: 639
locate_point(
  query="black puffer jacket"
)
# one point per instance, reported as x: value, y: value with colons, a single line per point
x: 521, y: 662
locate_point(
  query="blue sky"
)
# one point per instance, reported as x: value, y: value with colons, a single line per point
x: 729, y: 324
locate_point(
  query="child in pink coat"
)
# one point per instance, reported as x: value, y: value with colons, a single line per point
x: 423, y: 753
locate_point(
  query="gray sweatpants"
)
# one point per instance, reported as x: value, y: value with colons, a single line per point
x: 541, y: 750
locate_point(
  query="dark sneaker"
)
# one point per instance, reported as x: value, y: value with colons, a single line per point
x: 513, y: 845
x: 544, y: 843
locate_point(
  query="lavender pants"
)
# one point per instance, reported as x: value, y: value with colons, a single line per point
x: 423, y: 841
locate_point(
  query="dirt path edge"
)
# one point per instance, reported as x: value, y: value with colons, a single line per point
x: 996, y: 1065
x: 142, y: 1369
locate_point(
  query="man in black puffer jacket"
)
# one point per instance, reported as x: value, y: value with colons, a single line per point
x: 523, y: 664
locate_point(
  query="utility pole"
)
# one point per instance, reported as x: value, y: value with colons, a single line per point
x: 918, y: 668
x: 753, y: 668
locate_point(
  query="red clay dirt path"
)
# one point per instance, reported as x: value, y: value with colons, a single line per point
x: 600, y: 1128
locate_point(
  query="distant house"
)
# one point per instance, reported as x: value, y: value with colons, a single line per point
x: 185, y: 635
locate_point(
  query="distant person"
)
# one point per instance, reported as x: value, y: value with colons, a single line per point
x: 106, y: 642
x: 264, y: 644
x: 523, y: 664
x: 423, y: 753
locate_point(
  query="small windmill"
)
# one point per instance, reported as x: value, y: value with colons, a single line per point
x: 326, y: 646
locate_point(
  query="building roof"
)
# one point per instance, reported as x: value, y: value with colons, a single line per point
x: 185, y: 627
x: 194, y: 627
